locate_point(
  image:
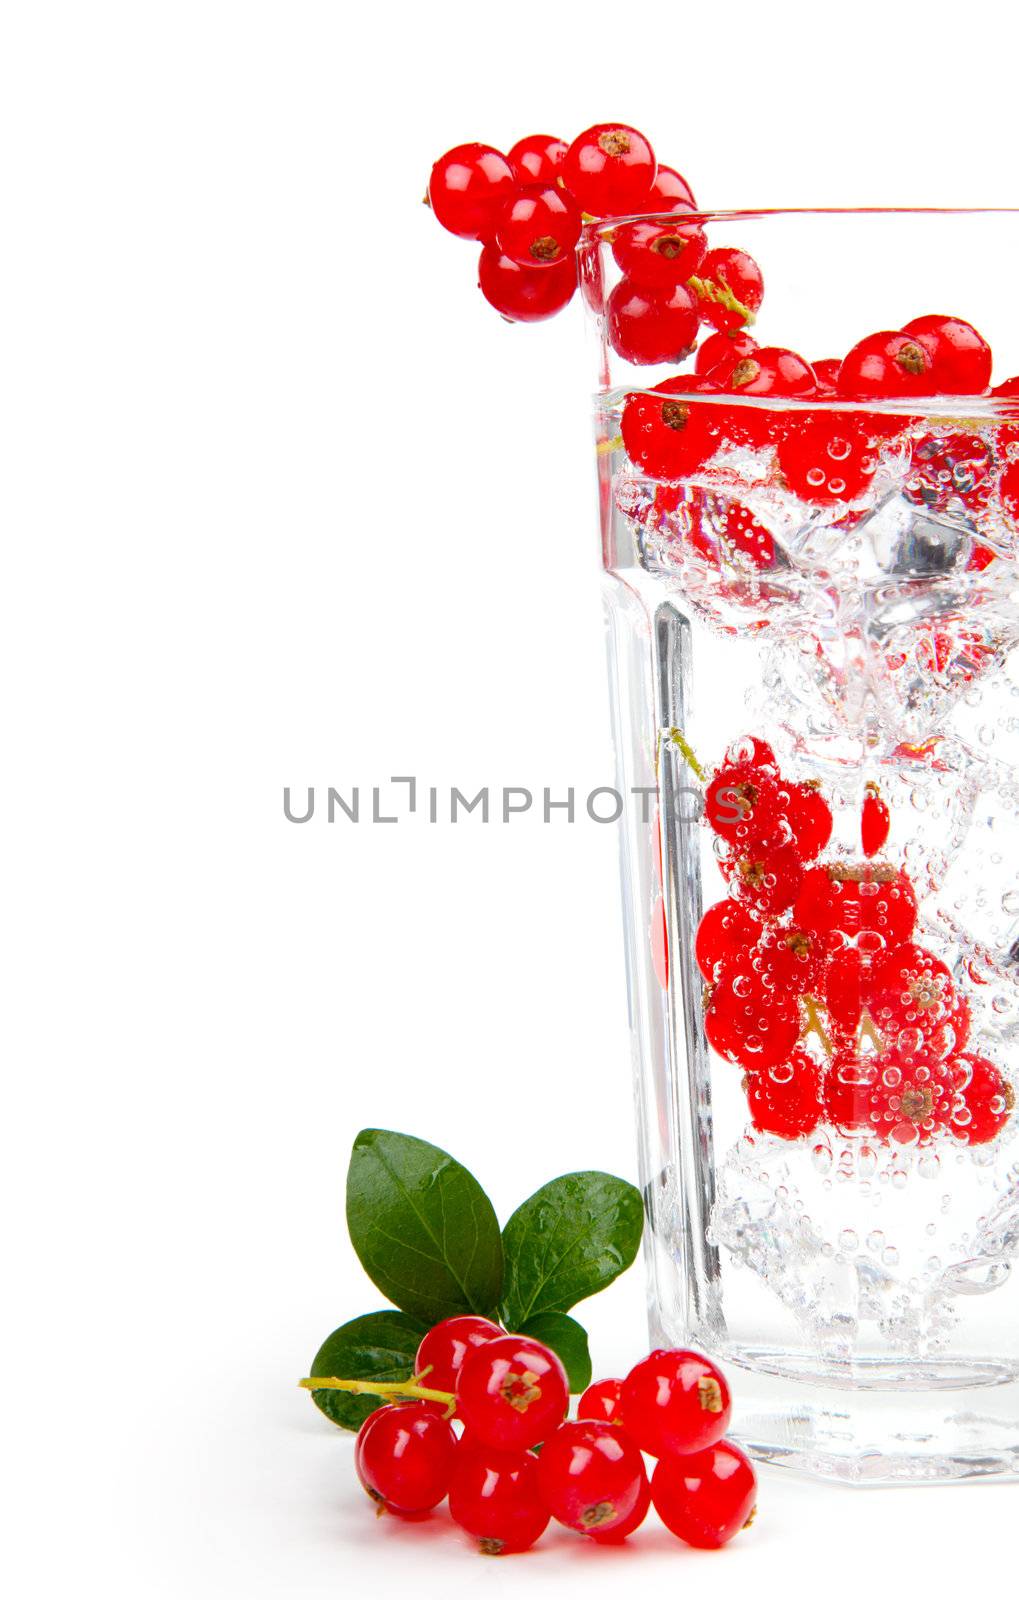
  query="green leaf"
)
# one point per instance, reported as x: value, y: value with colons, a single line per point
x: 569, y: 1341
x: 570, y: 1239
x: 379, y: 1347
x: 423, y: 1227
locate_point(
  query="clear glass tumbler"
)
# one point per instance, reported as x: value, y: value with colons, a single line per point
x: 813, y: 602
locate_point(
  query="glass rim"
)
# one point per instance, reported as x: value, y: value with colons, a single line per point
x: 599, y: 230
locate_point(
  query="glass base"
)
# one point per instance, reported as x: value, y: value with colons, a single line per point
x: 892, y: 1431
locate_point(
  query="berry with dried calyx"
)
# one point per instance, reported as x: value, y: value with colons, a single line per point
x: 665, y: 433
x: 719, y: 354
x: 708, y: 1498
x: 609, y: 170
x: 539, y: 226
x: 494, y: 1497
x: 651, y: 326
x: 986, y: 1099
x: 675, y: 1402
x: 590, y: 1476
x: 960, y: 356
x: 657, y: 255
x: 525, y: 294
x: 404, y: 1457
x: 785, y: 1100
x: 768, y: 880
x: 512, y: 1392
x: 886, y: 366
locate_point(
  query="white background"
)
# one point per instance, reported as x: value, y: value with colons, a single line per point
x: 285, y: 503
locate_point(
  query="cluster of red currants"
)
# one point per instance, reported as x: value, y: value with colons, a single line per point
x: 511, y: 1395
x: 817, y: 986
x: 527, y: 209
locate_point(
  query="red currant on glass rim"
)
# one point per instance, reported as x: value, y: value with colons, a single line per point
x: 525, y: 294
x: 468, y: 188
x: 445, y: 1347
x: 600, y: 1402
x: 706, y: 1499
x: 512, y: 1392
x: 537, y: 158
x: 404, y: 1457
x: 960, y: 356
x: 675, y: 1401
x: 649, y: 326
x: 657, y: 255
x: 590, y: 1476
x: 670, y: 192
x: 609, y: 170
x: 826, y: 371
x: 733, y: 288
x: 494, y: 1497
x: 720, y: 352
x: 539, y: 226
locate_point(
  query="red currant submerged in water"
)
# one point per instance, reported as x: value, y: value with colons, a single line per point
x: 539, y: 226
x: 670, y: 192
x: 657, y: 255
x: 839, y: 902
x: 810, y: 819
x: 847, y: 1088
x: 960, y: 357
x: 674, y: 1402
x: 826, y: 459
x: 609, y: 170
x: 494, y: 1497
x: 725, y: 930
x: 649, y: 326
x: 665, y: 435
x: 749, y: 1024
x: 512, y: 1392
x: 734, y: 288
x: 404, y: 1457
x: 875, y: 821
x: 468, y: 188
x: 719, y: 354
x: 590, y: 1476
x: 785, y: 1100
x: 951, y: 469
x: 986, y: 1099
x: 706, y: 1499
x: 910, y: 991
x: 600, y: 1402
x: 746, y: 807
x: 537, y: 158
x: 446, y: 1346
x: 886, y: 366
x: 525, y: 294
x: 911, y: 1099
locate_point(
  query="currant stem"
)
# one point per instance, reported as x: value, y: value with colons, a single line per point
x: 722, y: 295
x: 868, y: 1031
x: 407, y: 1389
x: 678, y: 738
x: 814, y: 1023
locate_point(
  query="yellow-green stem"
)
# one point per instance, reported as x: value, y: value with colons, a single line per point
x: 408, y: 1389
x: 678, y: 739
x: 814, y: 1023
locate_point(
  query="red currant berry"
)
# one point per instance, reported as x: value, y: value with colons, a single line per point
x: 446, y: 1346
x: 600, y: 1402
x: 910, y: 992
x: 842, y: 902
x: 848, y: 1085
x: 911, y: 1099
x: 846, y: 977
x: 960, y: 358
x: 810, y: 819
x: 494, y: 1497
x: 609, y: 170
x: 770, y: 370
x: 656, y: 255
x: 875, y: 821
x: 750, y: 751
x: 665, y: 435
x: 951, y: 471
x: 539, y: 226
x: 767, y: 880
x: 468, y: 188
x: 675, y: 1402
x: 648, y: 326
x: 670, y: 192
x: 788, y: 958
x: 826, y: 371
x: 786, y: 1100
x: 986, y: 1099
x: 827, y: 459
x: 512, y: 1392
x: 746, y: 808
x: 590, y: 1476
x: 886, y: 366
x: 404, y: 1457
x: 749, y: 1024
x: 733, y: 288
x: 725, y: 930
x: 525, y: 294
x: 706, y: 1499
x: 719, y: 354
x: 621, y: 1530
x: 538, y: 158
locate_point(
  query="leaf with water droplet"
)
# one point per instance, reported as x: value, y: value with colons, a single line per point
x: 569, y: 1240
